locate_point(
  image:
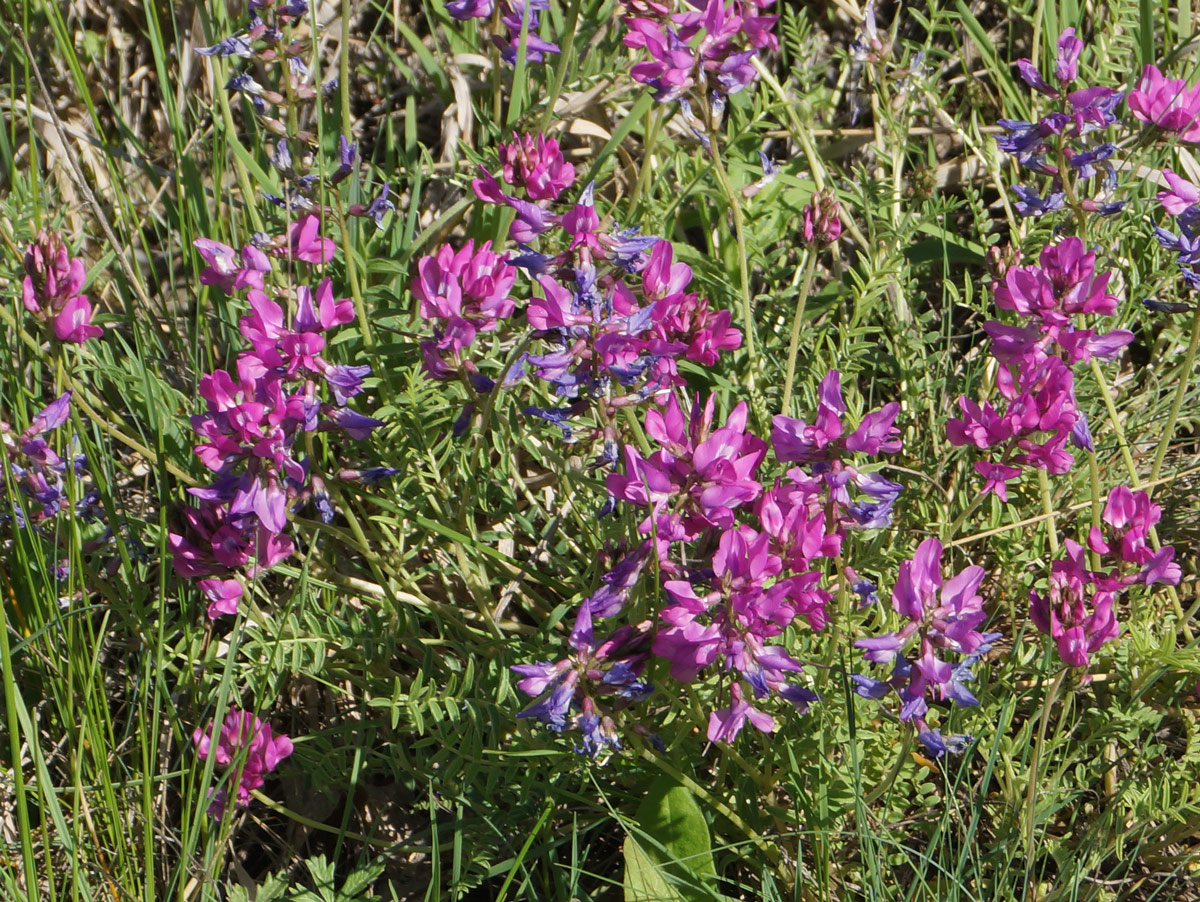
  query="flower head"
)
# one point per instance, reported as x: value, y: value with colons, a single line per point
x: 246, y: 749
x: 1168, y: 103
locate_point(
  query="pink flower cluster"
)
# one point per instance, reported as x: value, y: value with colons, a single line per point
x: 1168, y: 103
x: 741, y: 564
x: 255, y: 418
x: 1040, y: 415
x: 52, y: 289
x: 464, y: 292
x: 246, y: 749
x: 705, y: 46
x: 612, y: 309
x: 1077, y: 609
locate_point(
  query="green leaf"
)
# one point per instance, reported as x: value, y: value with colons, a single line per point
x: 644, y: 880
x: 671, y: 858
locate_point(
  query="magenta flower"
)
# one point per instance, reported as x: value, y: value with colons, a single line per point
x: 223, y: 596
x: 1077, y: 610
x: 713, y: 43
x: 1130, y: 516
x: 246, y: 749
x: 210, y: 542
x: 1167, y: 103
x: 305, y: 244
x: 226, y: 272
x: 73, y: 323
x: 1181, y: 197
x: 705, y: 473
x: 795, y: 440
x: 465, y: 292
x: 726, y: 723
x: 52, y: 286
x: 1063, y: 285
x: 944, y: 617
x: 536, y: 164
x: 747, y: 603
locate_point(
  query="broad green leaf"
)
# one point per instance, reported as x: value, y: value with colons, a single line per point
x: 671, y: 856
x: 644, y: 880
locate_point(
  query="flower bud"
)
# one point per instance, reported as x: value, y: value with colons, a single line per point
x: 1000, y: 259
x: 822, y: 220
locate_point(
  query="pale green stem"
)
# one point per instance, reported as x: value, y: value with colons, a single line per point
x: 739, y: 226
x: 1038, y: 750
x: 810, y: 267
x: 1118, y: 429
x: 1097, y: 498
x: 1048, y: 510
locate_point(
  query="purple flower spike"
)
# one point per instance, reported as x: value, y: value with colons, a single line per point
x: 246, y: 748
x: 944, y: 616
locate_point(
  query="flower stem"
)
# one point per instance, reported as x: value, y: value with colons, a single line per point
x: 739, y: 227
x: 810, y: 266
x: 1038, y: 750
x: 1048, y: 510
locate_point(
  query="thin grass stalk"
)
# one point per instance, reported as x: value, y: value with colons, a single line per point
x: 1181, y: 387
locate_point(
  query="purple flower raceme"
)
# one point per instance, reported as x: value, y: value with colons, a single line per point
x: 1077, y: 608
x: 824, y: 448
x: 567, y: 691
x: 1062, y: 137
x: 748, y: 602
x: 252, y: 431
x: 246, y: 749
x: 464, y: 292
x: 943, y: 617
x: 52, y: 289
x: 697, y: 478
x: 612, y: 310
x: 519, y: 20
x: 37, y: 472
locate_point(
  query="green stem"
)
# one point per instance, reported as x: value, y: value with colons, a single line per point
x: 656, y: 115
x: 1119, y: 430
x: 14, y: 739
x: 1097, y: 499
x: 1038, y: 751
x: 1048, y: 510
x: 739, y: 226
x: 810, y: 267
